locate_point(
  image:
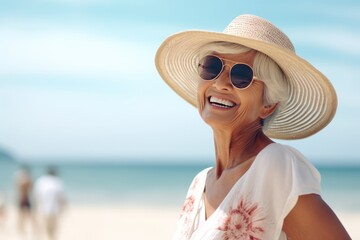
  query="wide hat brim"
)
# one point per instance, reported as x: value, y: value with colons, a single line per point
x: 312, y: 99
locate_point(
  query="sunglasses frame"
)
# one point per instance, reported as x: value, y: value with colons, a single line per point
x: 231, y: 67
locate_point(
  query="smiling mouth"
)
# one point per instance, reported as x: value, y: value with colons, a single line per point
x: 219, y: 102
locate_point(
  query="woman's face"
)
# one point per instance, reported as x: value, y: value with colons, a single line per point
x: 223, y: 105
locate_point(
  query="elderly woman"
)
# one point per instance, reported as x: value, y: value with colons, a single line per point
x: 249, y: 86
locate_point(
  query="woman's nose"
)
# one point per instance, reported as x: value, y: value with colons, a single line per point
x: 223, y: 82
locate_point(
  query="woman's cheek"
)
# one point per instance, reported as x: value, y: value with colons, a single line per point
x: 201, y: 98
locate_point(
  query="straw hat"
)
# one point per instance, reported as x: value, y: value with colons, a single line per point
x: 312, y: 99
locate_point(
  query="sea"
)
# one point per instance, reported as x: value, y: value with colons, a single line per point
x: 161, y: 184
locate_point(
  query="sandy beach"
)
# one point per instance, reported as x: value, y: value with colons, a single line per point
x: 104, y: 222
x: 125, y: 222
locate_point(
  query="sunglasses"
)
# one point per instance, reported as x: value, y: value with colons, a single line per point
x: 210, y: 67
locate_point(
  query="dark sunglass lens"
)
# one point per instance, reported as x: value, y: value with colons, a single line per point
x: 209, y: 67
x: 241, y: 75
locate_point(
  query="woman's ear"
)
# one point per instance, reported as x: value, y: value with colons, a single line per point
x: 267, y: 110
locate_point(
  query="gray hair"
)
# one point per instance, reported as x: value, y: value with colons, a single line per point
x: 265, y: 68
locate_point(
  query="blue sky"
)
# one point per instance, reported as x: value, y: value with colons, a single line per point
x: 78, y: 80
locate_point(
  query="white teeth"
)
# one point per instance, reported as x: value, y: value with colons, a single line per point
x: 221, y: 102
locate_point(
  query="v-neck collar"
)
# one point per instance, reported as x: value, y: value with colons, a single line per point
x: 228, y: 196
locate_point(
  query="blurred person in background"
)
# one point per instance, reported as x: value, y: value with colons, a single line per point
x: 23, y: 182
x: 2, y: 210
x: 49, y: 202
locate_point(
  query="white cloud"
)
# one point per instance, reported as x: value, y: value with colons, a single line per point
x: 342, y: 11
x: 72, y: 52
x: 341, y: 40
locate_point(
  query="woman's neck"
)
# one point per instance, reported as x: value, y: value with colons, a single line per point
x: 234, y: 147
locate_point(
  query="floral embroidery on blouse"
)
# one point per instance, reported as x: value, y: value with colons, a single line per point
x: 188, y: 206
x: 187, y: 209
x: 186, y: 217
x: 243, y: 222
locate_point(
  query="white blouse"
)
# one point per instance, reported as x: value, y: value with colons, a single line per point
x: 257, y: 204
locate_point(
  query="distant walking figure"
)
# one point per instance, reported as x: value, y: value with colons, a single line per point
x: 49, y: 200
x: 23, y: 184
x: 2, y: 209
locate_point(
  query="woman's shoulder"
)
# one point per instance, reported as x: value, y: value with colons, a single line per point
x: 282, y: 165
x: 200, y: 177
x: 281, y: 156
x: 203, y: 173
x: 278, y: 151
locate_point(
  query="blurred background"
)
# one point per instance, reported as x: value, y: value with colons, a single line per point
x: 79, y: 91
